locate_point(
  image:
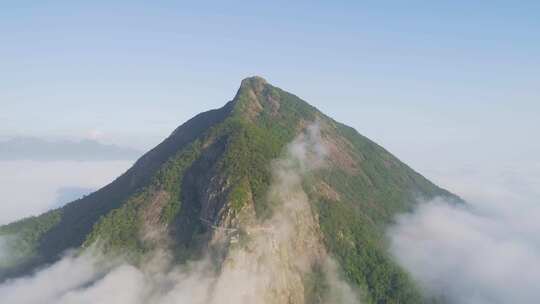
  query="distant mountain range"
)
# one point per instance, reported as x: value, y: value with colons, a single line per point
x: 32, y: 148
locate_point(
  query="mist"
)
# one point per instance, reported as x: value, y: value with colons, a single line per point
x: 33, y: 187
x: 268, y: 268
x: 487, y: 251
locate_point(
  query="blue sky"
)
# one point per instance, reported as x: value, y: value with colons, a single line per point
x: 453, y: 79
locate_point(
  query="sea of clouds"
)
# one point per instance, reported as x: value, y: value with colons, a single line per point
x: 32, y: 187
x: 484, y: 252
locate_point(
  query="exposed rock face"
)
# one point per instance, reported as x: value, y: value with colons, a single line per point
x: 274, y: 256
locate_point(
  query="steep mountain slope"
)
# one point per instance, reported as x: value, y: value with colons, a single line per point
x: 214, y: 187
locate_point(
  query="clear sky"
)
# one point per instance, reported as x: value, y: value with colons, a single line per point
x: 454, y: 79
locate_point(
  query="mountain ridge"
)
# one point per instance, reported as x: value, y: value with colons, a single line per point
x: 216, y: 170
x: 36, y: 149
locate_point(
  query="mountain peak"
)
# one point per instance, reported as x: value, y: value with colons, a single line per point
x: 253, y: 86
x: 257, y: 98
x: 256, y: 95
x: 254, y: 82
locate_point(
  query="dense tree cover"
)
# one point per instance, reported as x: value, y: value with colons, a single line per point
x: 121, y: 229
x: 247, y: 161
x: 358, y: 247
x: 22, y: 237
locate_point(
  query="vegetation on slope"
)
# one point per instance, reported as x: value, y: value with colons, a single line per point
x: 73, y: 223
x: 23, y: 236
x: 122, y: 229
x: 225, y: 162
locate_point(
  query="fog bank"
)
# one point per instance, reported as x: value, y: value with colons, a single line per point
x: 485, y: 252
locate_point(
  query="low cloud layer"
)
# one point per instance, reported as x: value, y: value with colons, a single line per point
x: 267, y: 269
x: 487, y: 252
x: 32, y: 187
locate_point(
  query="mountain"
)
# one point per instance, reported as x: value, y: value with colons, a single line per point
x: 265, y: 182
x: 31, y: 148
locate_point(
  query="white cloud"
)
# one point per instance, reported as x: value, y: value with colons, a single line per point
x: 485, y: 252
x: 70, y: 273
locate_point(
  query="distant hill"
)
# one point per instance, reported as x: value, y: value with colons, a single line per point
x: 265, y: 180
x: 32, y: 148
